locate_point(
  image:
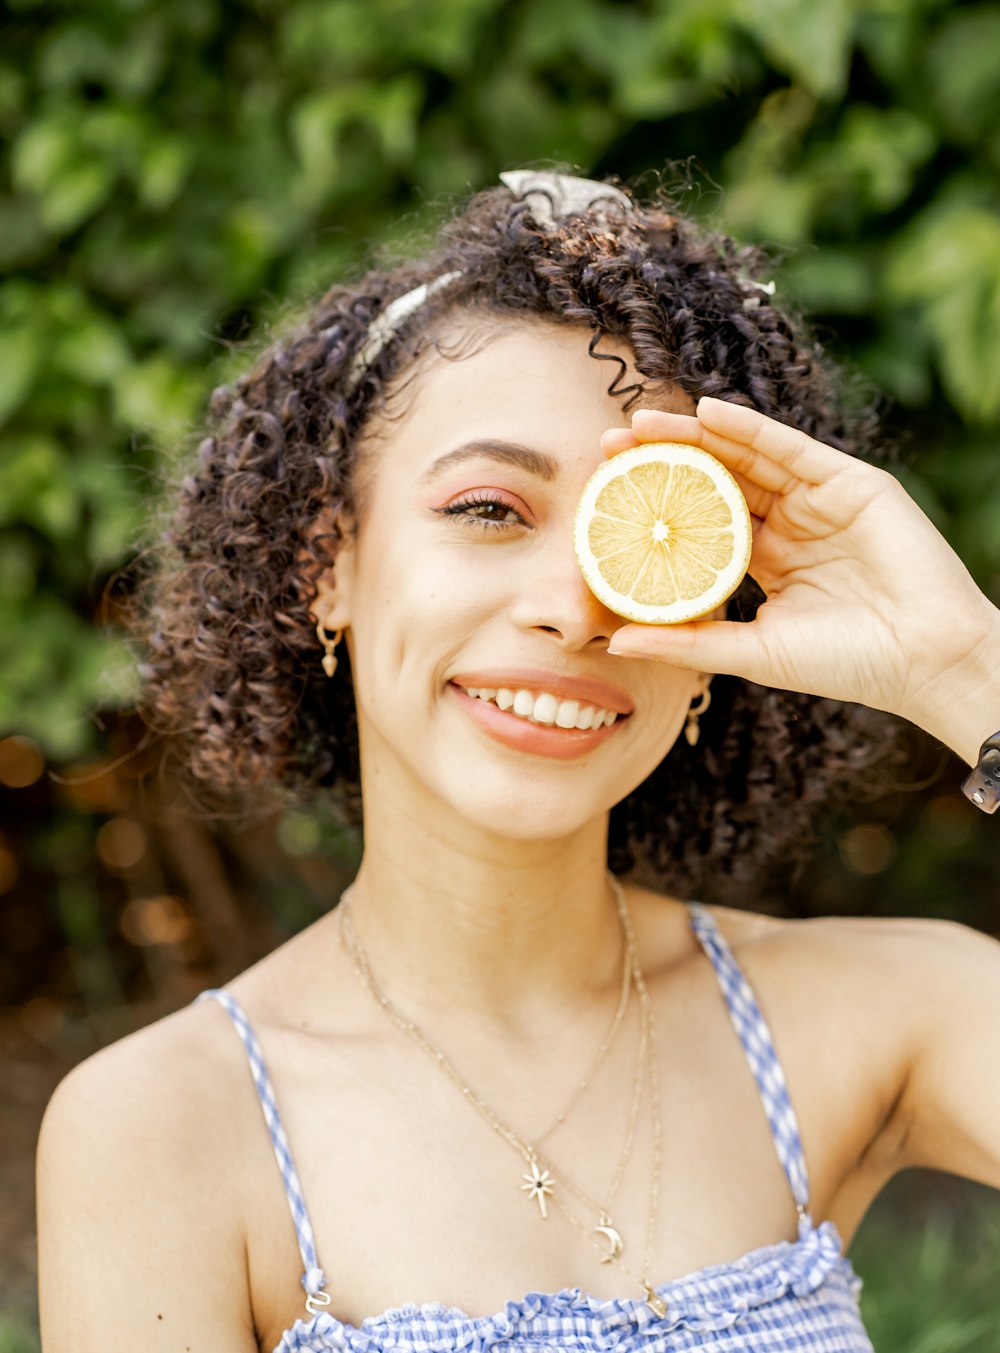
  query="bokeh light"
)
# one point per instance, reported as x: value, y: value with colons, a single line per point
x: 21, y: 763
x: 867, y: 849
x: 121, y: 843
x: 155, y: 920
x: 41, y: 1018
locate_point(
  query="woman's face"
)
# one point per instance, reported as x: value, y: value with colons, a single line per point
x: 462, y: 579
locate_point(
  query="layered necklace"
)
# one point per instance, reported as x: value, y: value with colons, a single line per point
x: 543, y: 1181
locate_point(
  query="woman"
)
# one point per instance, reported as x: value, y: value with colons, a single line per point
x: 493, y: 1070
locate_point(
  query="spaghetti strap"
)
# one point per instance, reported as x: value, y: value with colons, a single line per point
x: 758, y: 1045
x: 313, y: 1277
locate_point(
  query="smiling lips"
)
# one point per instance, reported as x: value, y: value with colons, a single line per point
x: 563, y: 723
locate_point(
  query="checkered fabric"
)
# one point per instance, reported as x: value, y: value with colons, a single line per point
x: 313, y: 1278
x: 786, y: 1298
x: 754, y: 1034
x: 793, y: 1297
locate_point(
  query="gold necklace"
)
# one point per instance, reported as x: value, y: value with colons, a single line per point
x: 540, y: 1182
x: 610, y: 1035
x: 652, y: 1298
x: 604, y: 1046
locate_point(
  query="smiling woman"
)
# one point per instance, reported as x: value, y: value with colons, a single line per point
x: 493, y: 1069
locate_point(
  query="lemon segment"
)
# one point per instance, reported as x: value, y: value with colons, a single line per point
x: 662, y: 533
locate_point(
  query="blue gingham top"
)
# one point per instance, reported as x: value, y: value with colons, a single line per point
x: 792, y: 1297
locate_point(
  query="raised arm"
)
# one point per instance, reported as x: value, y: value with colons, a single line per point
x: 867, y: 602
x: 865, y: 599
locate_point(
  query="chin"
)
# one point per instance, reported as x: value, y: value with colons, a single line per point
x: 526, y: 807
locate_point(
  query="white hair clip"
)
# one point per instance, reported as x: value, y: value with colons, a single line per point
x: 760, y: 288
x: 552, y: 196
x: 395, y: 314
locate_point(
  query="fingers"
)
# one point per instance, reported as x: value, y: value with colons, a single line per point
x: 655, y: 425
x: 617, y: 440
x: 770, y: 453
x: 775, y: 457
x: 720, y: 646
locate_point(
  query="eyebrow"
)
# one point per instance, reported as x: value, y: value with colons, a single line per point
x: 506, y: 453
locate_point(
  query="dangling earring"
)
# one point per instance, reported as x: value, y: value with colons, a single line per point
x: 329, y: 645
x: 699, y: 704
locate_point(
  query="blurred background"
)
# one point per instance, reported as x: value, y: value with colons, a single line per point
x: 178, y: 176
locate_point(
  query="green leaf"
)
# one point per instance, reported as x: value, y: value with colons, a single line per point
x: 20, y: 356
x: 157, y: 396
x: 94, y: 350
x: 165, y: 165
x: 948, y: 266
x: 810, y: 40
x: 963, y: 77
x: 75, y: 195
x: 35, y: 487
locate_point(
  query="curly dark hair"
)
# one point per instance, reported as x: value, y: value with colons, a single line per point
x: 232, y: 664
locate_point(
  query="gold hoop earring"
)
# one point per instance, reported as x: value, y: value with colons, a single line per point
x: 329, y: 647
x: 701, y: 702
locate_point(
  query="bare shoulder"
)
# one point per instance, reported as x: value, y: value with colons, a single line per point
x: 848, y: 952
x: 863, y: 961
x: 140, y: 1210
x: 907, y: 1004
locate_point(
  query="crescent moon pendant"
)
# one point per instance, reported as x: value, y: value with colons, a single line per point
x: 614, y: 1242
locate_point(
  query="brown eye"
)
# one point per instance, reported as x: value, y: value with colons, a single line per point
x: 488, y: 510
x: 496, y: 512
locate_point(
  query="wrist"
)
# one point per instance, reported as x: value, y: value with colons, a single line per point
x: 962, y: 707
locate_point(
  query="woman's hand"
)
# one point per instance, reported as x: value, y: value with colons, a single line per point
x: 866, y: 601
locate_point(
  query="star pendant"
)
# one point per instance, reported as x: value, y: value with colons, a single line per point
x: 538, y: 1184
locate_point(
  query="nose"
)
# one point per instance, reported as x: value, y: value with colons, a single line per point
x: 553, y: 598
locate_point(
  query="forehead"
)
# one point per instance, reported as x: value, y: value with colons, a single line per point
x: 532, y: 383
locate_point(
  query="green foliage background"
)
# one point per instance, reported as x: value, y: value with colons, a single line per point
x: 176, y: 174
x: 168, y: 165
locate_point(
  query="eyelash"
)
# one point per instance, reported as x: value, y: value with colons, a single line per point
x: 464, y: 510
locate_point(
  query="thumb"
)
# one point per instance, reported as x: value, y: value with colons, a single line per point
x: 726, y: 647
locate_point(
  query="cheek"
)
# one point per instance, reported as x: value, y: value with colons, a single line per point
x: 415, y: 606
x: 669, y: 693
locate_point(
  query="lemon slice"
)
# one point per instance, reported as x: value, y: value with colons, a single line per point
x: 662, y: 533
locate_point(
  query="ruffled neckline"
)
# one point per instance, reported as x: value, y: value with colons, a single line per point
x: 711, y: 1298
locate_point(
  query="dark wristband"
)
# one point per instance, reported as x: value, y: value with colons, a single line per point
x: 982, y: 786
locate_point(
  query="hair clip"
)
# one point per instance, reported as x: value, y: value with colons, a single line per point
x: 552, y: 196
x: 392, y: 318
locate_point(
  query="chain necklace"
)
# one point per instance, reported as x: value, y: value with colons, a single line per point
x: 539, y: 1182
x: 609, y: 1037
x: 363, y: 971
x: 652, y: 1298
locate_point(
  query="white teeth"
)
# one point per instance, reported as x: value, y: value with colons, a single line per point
x: 524, y: 704
x: 544, y: 708
x: 567, y: 714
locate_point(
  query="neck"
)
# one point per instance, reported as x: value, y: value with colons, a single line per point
x: 455, y: 916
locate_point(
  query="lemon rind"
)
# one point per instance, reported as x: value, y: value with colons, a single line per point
x: 678, y: 612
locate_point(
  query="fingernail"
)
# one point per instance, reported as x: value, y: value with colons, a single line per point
x: 626, y: 652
